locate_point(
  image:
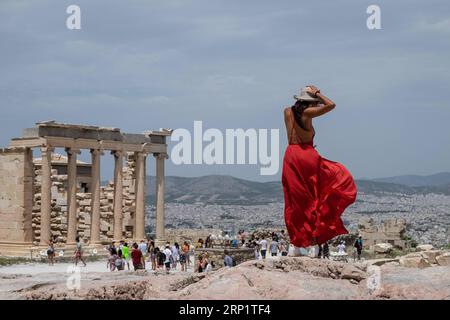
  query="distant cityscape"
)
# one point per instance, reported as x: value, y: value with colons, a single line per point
x: 427, y: 216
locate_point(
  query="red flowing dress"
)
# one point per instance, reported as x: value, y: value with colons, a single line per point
x: 316, y: 193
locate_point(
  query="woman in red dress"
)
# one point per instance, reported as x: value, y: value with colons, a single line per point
x: 316, y: 190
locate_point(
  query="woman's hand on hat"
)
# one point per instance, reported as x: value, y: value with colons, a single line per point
x: 313, y: 90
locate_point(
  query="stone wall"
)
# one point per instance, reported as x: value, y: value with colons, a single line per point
x: 190, y: 235
x: 129, y: 194
x: 266, y: 233
x: 59, y: 207
x: 390, y: 231
x: 217, y: 254
x: 16, y: 197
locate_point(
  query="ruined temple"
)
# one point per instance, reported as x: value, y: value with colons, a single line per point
x: 390, y: 231
x: 58, y: 197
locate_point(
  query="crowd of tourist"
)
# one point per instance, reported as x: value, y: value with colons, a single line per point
x: 278, y: 245
x: 146, y: 255
x: 204, y: 264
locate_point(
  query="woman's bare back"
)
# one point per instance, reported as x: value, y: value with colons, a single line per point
x: 295, y: 133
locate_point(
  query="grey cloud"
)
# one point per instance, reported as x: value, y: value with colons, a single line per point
x: 147, y: 64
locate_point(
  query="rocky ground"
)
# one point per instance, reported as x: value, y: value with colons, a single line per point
x: 275, y: 278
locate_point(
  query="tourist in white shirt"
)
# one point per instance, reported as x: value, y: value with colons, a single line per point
x: 263, y: 244
x: 168, y: 253
x: 341, y: 248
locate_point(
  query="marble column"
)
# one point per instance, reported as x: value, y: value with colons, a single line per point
x: 28, y: 196
x: 95, y: 198
x: 160, y: 218
x: 118, y: 194
x: 139, y: 216
x: 72, y: 221
x: 46, y: 194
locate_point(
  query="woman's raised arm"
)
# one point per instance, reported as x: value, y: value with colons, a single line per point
x: 327, y: 104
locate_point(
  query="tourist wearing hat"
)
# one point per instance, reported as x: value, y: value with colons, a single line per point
x: 316, y: 190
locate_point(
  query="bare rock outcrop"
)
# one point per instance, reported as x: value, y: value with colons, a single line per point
x: 274, y: 278
x: 383, y: 247
x: 281, y: 278
x: 414, y: 260
x: 424, y: 259
x: 444, y: 259
x: 431, y: 255
x: 424, y: 247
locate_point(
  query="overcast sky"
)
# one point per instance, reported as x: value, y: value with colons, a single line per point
x: 141, y: 65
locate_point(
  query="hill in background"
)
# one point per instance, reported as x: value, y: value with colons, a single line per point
x: 436, y: 180
x: 224, y: 189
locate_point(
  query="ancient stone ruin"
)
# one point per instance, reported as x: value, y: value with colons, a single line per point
x: 216, y: 255
x: 391, y: 231
x: 58, y: 197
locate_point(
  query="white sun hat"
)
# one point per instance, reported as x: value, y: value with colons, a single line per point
x: 305, y: 95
